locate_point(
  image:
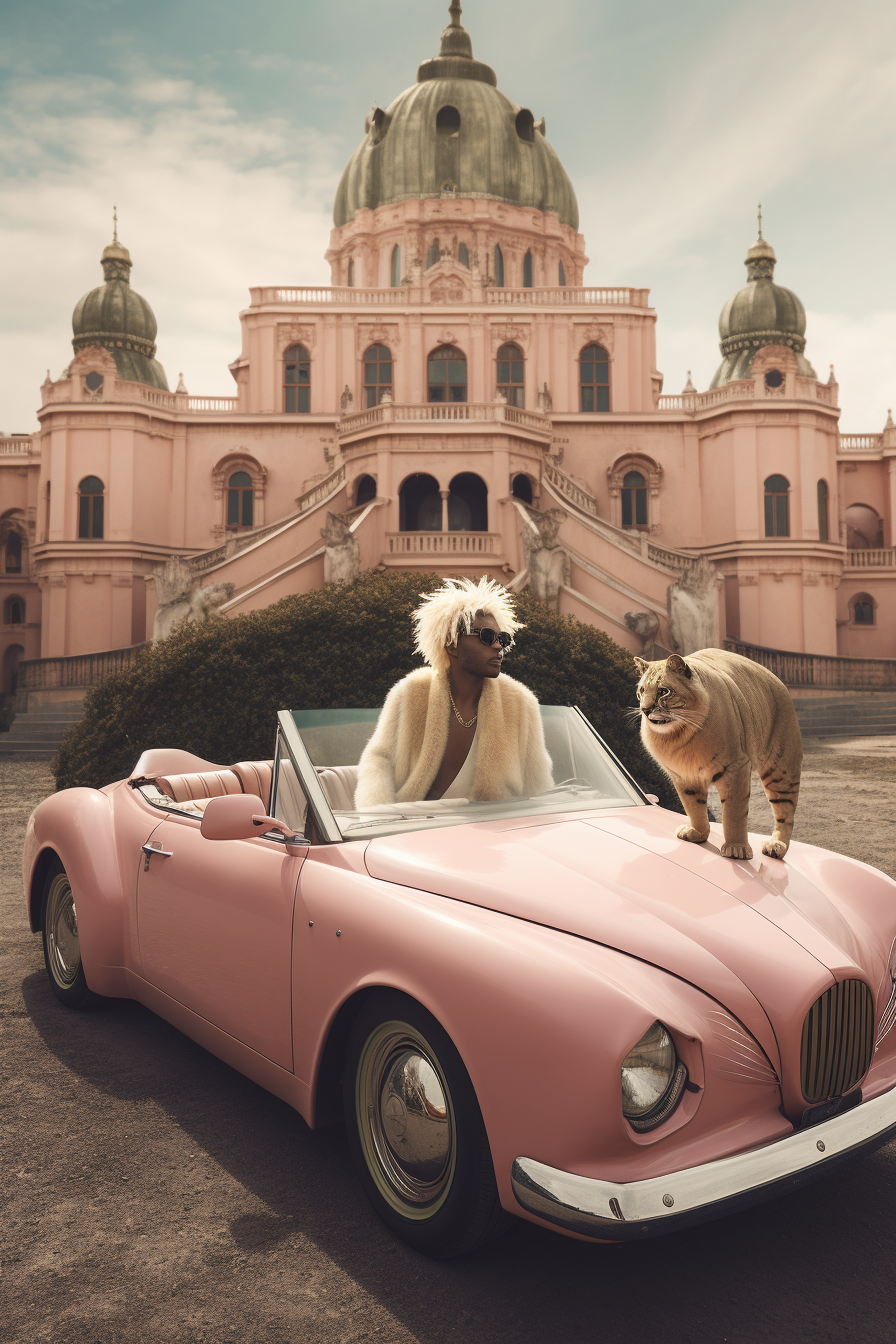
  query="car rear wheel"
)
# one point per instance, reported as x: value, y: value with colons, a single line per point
x: 62, y: 946
x: 416, y: 1132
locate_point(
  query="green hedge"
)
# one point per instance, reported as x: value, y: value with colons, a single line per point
x: 214, y: 689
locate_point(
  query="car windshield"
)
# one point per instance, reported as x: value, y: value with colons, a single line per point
x: 329, y: 743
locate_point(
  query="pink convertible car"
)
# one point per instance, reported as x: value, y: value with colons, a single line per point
x: 548, y: 1007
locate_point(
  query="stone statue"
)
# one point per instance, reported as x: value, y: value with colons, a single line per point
x: 179, y: 601
x: 345, y: 401
x: 342, y: 557
x: 694, y: 607
x: 545, y: 400
x: 548, y: 563
x: 646, y: 625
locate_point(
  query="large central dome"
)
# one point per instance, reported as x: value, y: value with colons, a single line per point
x: 454, y: 131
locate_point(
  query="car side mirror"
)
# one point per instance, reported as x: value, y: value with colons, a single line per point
x: 241, y: 816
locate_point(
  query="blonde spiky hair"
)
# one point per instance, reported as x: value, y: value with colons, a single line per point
x: 440, y: 616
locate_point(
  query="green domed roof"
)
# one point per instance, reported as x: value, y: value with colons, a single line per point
x: 760, y: 314
x: 455, y: 130
x: 120, y: 320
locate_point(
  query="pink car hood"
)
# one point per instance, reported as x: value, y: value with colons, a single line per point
x: 747, y: 933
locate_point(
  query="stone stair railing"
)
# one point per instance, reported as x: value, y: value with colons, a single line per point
x: 821, y: 670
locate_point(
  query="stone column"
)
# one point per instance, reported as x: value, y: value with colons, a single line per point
x: 444, y: 494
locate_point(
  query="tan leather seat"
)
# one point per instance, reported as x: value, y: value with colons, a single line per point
x: 339, y: 784
x: 208, y: 784
x: 255, y: 777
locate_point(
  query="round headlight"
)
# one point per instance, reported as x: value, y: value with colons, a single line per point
x: 652, y: 1079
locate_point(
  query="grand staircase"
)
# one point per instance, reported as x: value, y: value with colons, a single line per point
x: 36, y: 735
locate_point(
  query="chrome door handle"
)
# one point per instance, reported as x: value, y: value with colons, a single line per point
x: 149, y: 850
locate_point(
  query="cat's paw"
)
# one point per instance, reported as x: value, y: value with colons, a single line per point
x: 689, y: 833
x: 735, y: 851
x: 775, y: 849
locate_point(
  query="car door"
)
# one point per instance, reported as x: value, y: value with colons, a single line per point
x: 214, y: 923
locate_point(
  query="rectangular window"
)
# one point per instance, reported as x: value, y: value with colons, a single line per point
x: 458, y: 393
x: 769, y: 515
x: 246, y: 519
x: 233, y: 508
x: 84, y: 517
x: 626, y: 508
x: 641, y: 507
x: 437, y: 394
x: 781, y: 521
x: 603, y: 398
x: 587, y: 398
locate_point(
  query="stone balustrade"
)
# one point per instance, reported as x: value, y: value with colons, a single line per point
x: 874, y: 558
x: 812, y: 669
x: 444, y: 544
x: 558, y: 296
x: 861, y: 443
x: 453, y: 412
x: 18, y: 446
x: 81, y: 670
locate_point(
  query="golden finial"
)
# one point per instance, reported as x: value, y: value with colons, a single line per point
x: 455, y: 11
x: 760, y: 219
x: 115, y: 223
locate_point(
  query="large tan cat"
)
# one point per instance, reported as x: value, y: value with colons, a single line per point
x: 708, y: 719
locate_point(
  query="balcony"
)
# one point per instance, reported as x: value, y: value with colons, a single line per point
x: 874, y: 558
x: 460, y: 548
x: 461, y: 416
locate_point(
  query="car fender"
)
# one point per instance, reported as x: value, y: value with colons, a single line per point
x: 538, y: 1016
x: 77, y: 826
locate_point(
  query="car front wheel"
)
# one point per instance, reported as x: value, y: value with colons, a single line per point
x: 415, y: 1130
x: 62, y: 946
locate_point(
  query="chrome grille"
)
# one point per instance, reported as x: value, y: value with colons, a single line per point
x: 838, y: 1041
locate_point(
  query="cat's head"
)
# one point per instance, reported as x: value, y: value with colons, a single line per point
x: 667, y: 693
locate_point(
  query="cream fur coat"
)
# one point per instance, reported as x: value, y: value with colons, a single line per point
x: 402, y: 758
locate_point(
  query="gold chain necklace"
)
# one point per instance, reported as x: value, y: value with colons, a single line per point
x: 461, y: 721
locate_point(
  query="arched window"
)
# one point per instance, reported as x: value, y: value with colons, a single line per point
x: 447, y: 374
x: 561, y: 273
x: 862, y: 606
x: 463, y: 255
x: 528, y: 271
x: 510, y: 369
x: 777, y: 509
x: 351, y: 272
x: 240, y: 502
x: 634, y: 500
x: 499, y: 267
x: 594, y: 377
x: 365, y: 492
x: 297, y: 380
x: 522, y: 488
x: 433, y: 254
x: 377, y: 373
x: 420, y: 504
x: 12, y: 552
x: 395, y: 276
x: 468, y: 504
x: 864, y: 528
x: 90, y: 509
x: 14, y: 611
x: 822, y: 511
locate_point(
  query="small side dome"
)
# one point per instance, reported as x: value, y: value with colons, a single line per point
x: 760, y: 314
x: 120, y: 320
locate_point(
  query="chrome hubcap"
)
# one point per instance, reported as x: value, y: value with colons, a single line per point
x: 63, y: 947
x: 406, y: 1120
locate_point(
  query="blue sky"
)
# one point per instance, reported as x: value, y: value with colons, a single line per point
x: 221, y: 130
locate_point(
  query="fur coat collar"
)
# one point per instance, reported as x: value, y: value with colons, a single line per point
x: 402, y: 758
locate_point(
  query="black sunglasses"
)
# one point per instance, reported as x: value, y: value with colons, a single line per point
x: 489, y: 636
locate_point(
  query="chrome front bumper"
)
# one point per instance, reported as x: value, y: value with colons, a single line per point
x: 638, y: 1209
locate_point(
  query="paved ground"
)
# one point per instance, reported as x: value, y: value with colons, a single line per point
x: 150, y: 1194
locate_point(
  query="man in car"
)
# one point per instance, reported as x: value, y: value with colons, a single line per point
x: 458, y: 728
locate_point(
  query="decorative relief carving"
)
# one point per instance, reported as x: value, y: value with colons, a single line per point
x: 446, y: 291
x: 594, y: 334
x: 510, y: 334
x: 293, y: 333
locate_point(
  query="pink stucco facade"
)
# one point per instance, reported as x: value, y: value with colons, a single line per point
x: 412, y: 278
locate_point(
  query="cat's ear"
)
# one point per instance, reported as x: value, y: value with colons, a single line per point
x: 675, y: 663
x: 641, y: 665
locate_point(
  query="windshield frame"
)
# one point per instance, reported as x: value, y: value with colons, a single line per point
x: 328, y: 827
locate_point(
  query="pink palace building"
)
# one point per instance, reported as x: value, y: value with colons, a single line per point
x: 458, y: 400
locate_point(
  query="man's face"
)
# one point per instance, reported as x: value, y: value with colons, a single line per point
x: 481, y: 660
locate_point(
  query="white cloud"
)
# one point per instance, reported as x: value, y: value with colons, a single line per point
x: 209, y: 203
